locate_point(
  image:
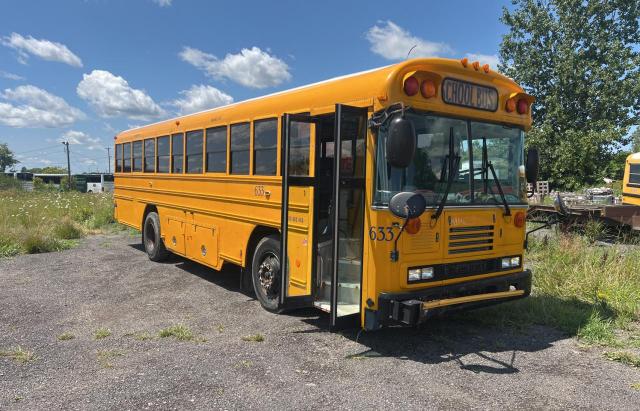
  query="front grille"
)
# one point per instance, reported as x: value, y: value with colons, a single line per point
x: 467, y: 268
x: 473, y: 239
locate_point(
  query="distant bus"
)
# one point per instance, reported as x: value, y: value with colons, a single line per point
x: 381, y: 197
x: 95, y: 183
x: 631, y: 180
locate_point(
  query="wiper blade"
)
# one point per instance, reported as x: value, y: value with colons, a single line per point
x: 486, y: 166
x: 453, y: 161
x: 507, y: 210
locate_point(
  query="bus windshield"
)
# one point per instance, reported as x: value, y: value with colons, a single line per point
x: 473, y: 183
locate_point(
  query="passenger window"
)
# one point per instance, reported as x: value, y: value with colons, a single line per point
x: 126, y: 155
x: 118, y: 158
x: 194, y: 151
x: 137, y: 156
x: 176, y: 159
x: 217, y: 150
x: 240, y: 148
x: 265, y: 136
x: 149, y: 155
x: 162, y: 165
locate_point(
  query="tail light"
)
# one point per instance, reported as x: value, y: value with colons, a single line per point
x: 510, y: 106
x: 523, y: 106
x: 413, y: 226
x: 411, y: 86
x: 428, y: 89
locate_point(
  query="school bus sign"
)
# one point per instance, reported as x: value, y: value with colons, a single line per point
x: 463, y: 93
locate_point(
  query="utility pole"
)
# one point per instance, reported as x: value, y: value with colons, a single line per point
x: 66, y: 148
x: 109, y: 158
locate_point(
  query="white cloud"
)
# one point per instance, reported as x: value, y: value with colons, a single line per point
x: 251, y: 67
x: 89, y: 162
x: 111, y: 96
x: 83, y: 139
x: 45, y: 49
x: 39, y: 108
x: 163, y: 3
x: 10, y: 76
x: 199, y: 98
x: 393, y: 43
x: 490, y: 59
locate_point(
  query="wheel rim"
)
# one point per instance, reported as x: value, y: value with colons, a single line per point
x: 269, y: 274
x: 149, y: 237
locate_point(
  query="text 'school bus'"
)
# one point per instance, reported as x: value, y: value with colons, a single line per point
x: 381, y: 197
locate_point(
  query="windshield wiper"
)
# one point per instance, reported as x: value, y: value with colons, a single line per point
x: 453, y: 161
x: 486, y: 166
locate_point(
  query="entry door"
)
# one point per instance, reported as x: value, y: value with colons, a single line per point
x: 348, y: 214
x: 297, y: 245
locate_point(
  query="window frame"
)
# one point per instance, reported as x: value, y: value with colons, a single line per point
x: 157, y: 158
x: 186, y: 155
x: 133, y: 156
x: 172, y: 165
x: 225, y: 151
x: 248, y: 149
x: 144, y: 155
x: 118, y: 158
x: 124, y: 159
x: 275, y: 147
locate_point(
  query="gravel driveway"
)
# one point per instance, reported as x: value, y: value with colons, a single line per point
x: 108, y: 282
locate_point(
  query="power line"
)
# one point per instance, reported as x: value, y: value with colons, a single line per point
x: 36, y: 149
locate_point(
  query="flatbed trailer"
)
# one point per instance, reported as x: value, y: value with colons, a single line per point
x: 620, y: 215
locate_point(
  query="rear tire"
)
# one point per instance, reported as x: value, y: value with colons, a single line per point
x: 153, y: 244
x: 265, y: 273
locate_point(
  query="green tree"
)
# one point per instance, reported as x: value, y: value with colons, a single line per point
x: 580, y: 59
x: 7, y: 160
x: 48, y: 170
x: 635, y: 140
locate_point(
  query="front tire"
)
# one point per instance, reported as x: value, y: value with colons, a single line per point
x: 153, y: 244
x: 265, y: 273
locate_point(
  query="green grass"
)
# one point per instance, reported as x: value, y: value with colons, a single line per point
x: 106, y: 356
x: 65, y: 336
x: 45, y: 221
x: 636, y: 386
x: 254, y: 338
x: 585, y: 290
x: 623, y: 357
x: 180, y: 332
x: 143, y: 336
x: 101, y: 333
x: 19, y: 354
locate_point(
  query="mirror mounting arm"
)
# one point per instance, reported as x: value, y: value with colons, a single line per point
x: 395, y: 254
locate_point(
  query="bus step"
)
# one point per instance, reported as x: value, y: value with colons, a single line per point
x: 343, y: 309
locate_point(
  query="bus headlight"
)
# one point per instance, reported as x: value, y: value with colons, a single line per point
x: 510, y: 262
x: 420, y: 274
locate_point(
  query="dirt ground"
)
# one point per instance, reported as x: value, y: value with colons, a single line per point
x: 108, y: 282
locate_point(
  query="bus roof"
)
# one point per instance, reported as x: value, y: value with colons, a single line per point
x: 365, y: 88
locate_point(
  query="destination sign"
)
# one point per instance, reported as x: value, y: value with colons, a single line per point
x: 463, y: 93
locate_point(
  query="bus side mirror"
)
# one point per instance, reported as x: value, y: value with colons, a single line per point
x: 401, y: 143
x: 531, y: 168
x: 407, y: 206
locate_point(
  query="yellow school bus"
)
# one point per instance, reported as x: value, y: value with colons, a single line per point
x: 631, y: 180
x: 382, y: 197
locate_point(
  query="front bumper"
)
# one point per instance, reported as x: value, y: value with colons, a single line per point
x: 412, y: 308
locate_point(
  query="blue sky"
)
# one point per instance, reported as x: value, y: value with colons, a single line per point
x: 84, y: 70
